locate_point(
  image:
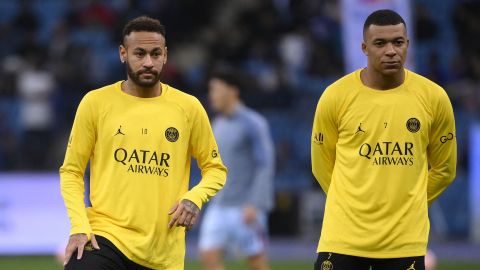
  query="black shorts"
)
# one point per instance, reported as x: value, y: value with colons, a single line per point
x: 335, y: 261
x: 108, y: 257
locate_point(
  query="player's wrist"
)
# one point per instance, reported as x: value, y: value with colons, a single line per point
x: 191, y: 205
x: 189, y: 196
x: 87, y: 230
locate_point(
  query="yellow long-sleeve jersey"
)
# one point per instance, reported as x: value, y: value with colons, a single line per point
x: 371, y: 151
x: 139, y: 151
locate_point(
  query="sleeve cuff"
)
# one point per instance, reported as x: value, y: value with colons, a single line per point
x: 82, y: 229
x: 193, y: 198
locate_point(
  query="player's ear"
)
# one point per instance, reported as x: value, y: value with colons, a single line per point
x: 364, y: 48
x: 166, y: 56
x: 122, y: 52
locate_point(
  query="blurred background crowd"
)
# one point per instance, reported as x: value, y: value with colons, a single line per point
x: 52, y: 52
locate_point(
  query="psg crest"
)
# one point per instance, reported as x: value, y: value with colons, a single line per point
x: 413, y: 125
x: 327, y: 264
x: 171, y: 134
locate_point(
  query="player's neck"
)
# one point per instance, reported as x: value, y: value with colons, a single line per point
x: 131, y: 88
x: 231, y: 108
x: 376, y: 80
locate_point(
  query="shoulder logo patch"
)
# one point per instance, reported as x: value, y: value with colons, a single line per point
x: 318, y: 138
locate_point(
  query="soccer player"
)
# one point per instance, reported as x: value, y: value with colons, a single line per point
x: 139, y: 136
x: 236, y: 220
x: 380, y: 181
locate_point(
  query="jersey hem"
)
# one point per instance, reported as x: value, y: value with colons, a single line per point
x: 375, y: 255
x: 128, y: 254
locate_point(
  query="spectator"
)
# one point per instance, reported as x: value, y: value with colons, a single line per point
x: 35, y: 87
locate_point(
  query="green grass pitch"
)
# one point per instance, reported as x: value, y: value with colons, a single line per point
x: 49, y: 263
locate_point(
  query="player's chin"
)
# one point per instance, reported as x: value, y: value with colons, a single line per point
x: 392, y: 70
x: 216, y: 107
x: 148, y: 82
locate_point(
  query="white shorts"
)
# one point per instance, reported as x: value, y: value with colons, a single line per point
x: 224, y: 228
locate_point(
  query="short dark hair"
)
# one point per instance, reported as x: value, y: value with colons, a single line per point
x: 228, y: 76
x: 143, y: 24
x: 383, y: 17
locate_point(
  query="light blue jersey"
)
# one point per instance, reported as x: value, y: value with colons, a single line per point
x: 247, y: 150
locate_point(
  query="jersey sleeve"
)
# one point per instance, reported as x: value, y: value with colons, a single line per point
x: 261, y: 191
x: 79, y: 149
x: 442, y: 149
x: 204, y: 149
x: 324, y: 139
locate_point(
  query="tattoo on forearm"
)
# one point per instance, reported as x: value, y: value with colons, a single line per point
x: 190, y: 207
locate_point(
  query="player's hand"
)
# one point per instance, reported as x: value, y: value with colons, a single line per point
x: 249, y: 214
x: 185, y: 214
x: 78, y: 242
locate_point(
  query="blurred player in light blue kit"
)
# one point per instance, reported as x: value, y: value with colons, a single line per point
x: 237, y: 218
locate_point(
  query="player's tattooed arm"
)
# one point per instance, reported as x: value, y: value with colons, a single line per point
x: 184, y: 214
